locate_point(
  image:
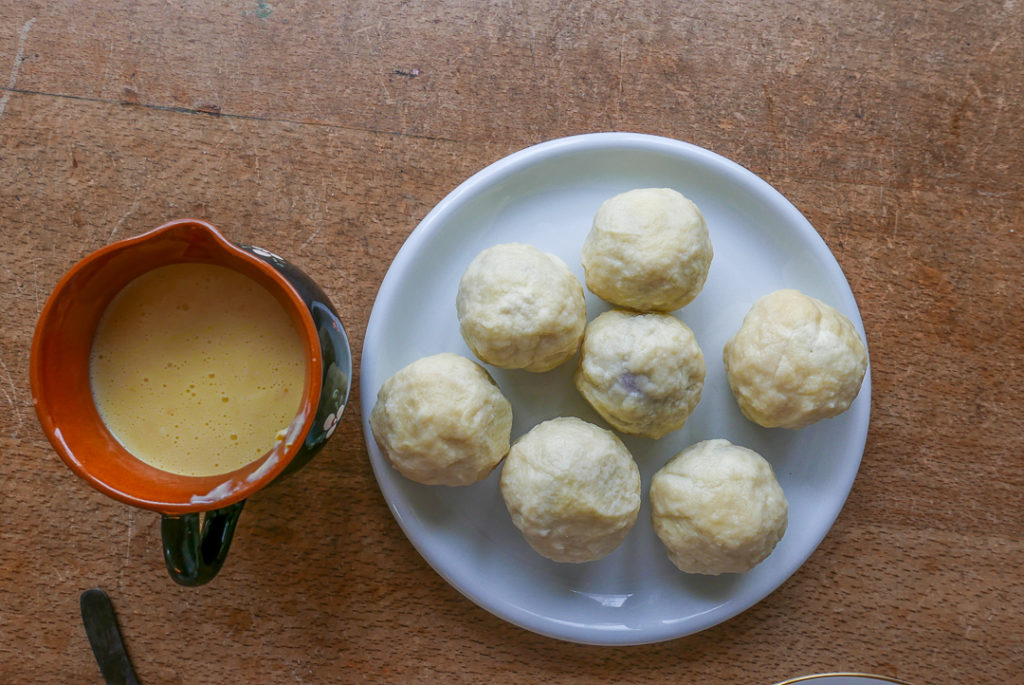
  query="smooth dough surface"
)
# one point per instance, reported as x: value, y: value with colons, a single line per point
x: 573, y: 489
x: 795, y: 360
x: 648, y: 250
x: 442, y: 421
x: 718, y: 508
x: 643, y: 373
x: 521, y: 308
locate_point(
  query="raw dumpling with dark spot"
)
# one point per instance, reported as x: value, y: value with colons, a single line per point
x: 643, y: 373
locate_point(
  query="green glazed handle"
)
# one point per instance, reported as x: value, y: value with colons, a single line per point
x: 195, y: 554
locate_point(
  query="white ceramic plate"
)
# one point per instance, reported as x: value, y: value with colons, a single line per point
x: 547, y: 195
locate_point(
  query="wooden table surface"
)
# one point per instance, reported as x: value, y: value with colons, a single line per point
x: 326, y: 131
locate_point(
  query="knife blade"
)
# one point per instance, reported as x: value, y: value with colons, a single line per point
x: 105, y: 638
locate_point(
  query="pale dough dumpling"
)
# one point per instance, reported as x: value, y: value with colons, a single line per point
x: 442, y: 421
x: 521, y: 308
x: 795, y: 360
x: 648, y: 250
x: 718, y: 508
x: 573, y: 489
x: 643, y: 373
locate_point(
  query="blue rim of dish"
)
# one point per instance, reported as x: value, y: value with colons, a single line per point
x: 846, y: 674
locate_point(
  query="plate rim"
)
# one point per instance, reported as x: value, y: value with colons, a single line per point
x: 505, y: 167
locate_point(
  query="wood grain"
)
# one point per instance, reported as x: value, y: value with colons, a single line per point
x: 326, y: 131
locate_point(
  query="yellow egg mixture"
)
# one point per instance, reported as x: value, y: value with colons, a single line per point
x: 196, y: 369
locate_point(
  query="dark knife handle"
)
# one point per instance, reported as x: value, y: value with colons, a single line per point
x: 105, y: 638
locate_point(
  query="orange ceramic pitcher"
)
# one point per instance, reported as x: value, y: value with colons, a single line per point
x: 194, y: 550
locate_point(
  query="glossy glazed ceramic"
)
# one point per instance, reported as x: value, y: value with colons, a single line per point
x: 843, y: 679
x: 63, y: 396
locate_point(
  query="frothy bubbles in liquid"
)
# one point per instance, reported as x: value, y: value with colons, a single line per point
x: 196, y: 369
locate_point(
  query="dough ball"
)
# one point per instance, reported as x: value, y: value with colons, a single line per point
x: 648, y: 250
x: 717, y: 508
x: 642, y: 372
x: 795, y: 360
x: 442, y: 421
x: 572, y: 489
x: 520, y: 308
